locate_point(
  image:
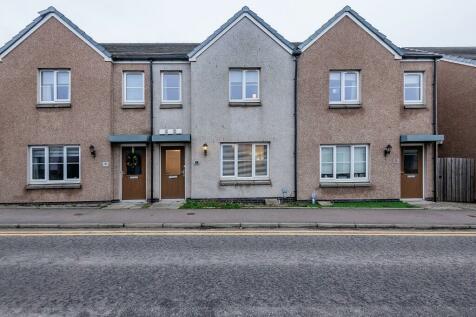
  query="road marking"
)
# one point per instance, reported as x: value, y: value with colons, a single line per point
x: 164, y: 233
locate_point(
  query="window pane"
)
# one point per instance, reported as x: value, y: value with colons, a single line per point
x: 133, y: 163
x: 252, y: 78
x: 412, y: 80
x: 171, y: 86
x: 228, y: 160
x: 351, y: 93
x: 72, y: 154
x: 172, y: 94
x: 56, y: 154
x: 62, y: 92
x: 327, y: 162
x: 172, y: 80
x: 134, y: 94
x: 410, y: 161
x: 334, y: 87
x: 245, y: 160
x: 236, y: 85
x: 412, y: 94
x: 47, y: 77
x: 56, y: 163
x: 261, y: 160
x: 62, y: 78
x: 350, y: 86
x: 47, y: 85
x: 360, y: 162
x: 47, y: 93
x: 134, y: 80
x: 72, y: 171
x: 38, y: 164
x: 343, y: 162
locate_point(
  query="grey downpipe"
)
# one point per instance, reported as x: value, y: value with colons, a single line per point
x: 151, y: 88
x: 295, y: 55
x: 435, y: 131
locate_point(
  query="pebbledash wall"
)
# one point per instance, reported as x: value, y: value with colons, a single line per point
x: 215, y: 121
x: 86, y: 121
x: 379, y: 120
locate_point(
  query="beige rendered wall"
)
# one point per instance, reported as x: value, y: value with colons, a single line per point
x: 379, y: 121
x: 457, y: 109
x: 86, y: 122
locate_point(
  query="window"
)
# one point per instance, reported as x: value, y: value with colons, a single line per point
x: 410, y: 161
x: 244, y: 161
x: 55, y: 86
x: 344, y: 87
x: 244, y: 85
x: 344, y: 163
x: 133, y: 89
x: 54, y: 164
x: 413, y: 88
x: 171, y: 87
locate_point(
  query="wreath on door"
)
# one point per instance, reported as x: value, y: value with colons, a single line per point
x: 132, y: 160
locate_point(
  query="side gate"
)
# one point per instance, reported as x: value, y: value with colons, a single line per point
x: 455, y: 179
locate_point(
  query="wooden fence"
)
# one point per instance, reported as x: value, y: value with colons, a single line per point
x: 455, y: 179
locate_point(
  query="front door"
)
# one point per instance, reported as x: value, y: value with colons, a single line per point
x: 412, y: 172
x: 133, y: 173
x: 172, y: 172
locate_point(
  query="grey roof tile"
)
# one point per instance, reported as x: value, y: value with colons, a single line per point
x: 156, y: 51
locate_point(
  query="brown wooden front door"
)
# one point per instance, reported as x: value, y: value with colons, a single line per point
x: 412, y: 172
x: 172, y: 172
x: 133, y: 173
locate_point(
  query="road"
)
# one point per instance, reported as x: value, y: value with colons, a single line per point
x: 231, y: 274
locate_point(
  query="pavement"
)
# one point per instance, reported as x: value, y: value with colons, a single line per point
x: 329, y: 218
x: 422, y: 274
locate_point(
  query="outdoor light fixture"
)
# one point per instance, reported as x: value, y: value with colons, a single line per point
x: 92, y: 150
x: 205, y: 149
x: 387, y: 150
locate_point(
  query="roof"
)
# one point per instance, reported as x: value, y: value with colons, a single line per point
x: 459, y: 55
x: 42, y: 18
x: 156, y: 51
x: 245, y: 11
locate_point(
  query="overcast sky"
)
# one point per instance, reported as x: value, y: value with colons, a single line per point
x: 405, y: 22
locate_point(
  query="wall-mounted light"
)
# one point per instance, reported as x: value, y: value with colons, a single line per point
x: 92, y: 150
x: 387, y: 150
x: 205, y: 149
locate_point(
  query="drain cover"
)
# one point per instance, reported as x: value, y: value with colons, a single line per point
x: 190, y: 213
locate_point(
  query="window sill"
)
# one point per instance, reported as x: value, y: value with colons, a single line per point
x: 53, y: 105
x: 344, y: 184
x: 345, y: 105
x: 133, y: 106
x: 415, y: 106
x: 171, y: 106
x: 244, y: 182
x: 53, y: 186
x: 244, y: 103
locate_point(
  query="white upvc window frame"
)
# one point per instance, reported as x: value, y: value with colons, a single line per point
x: 343, y: 100
x: 46, y: 180
x: 55, y: 86
x: 243, y: 84
x: 421, y: 101
x: 162, y: 99
x: 352, y: 179
x: 253, y: 166
x: 124, y: 88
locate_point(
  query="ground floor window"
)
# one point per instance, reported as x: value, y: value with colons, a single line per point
x: 245, y: 160
x: 344, y: 163
x: 54, y: 164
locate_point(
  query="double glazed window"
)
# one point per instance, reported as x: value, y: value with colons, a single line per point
x: 55, y: 86
x: 344, y: 87
x: 133, y: 88
x: 413, y: 88
x: 244, y: 85
x: 171, y: 87
x: 244, y: 160
x: 54, y: 164
x: 344, y: 163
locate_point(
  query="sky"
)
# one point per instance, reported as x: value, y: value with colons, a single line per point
x: 405, y: 22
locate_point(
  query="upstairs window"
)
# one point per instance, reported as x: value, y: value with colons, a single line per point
x: 171, y: 87
x: 55, y: 86
x: 413, y: 88
x: 344, y: 163
x: 54, y: 164
x: 244, y: 85
x: 244, y: 161
x: 133, y: 90
x: 344, y: 87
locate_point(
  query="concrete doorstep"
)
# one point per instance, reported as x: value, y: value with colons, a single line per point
x: 238, y: 225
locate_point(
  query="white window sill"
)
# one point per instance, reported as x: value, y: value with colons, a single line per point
x: 53, y: 186
x: 331, y: 184
x: 243, y: 182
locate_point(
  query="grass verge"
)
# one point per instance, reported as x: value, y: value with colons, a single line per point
x: 372, y: 204
x: 197, y: 204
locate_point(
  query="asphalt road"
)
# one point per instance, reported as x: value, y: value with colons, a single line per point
x: 237, y: 276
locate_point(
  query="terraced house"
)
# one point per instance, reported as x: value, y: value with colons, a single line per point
x: 246, y: 114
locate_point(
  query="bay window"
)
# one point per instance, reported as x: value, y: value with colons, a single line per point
x: 345, y: 163
x: 54, y: 164
x: 244, y: 160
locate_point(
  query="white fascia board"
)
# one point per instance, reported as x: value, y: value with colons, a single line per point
x: 372, y: 34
